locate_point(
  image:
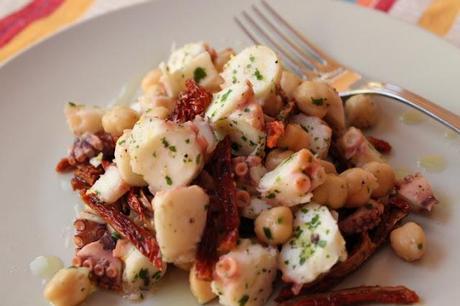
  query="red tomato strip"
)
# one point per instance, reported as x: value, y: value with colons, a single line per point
x: 358, y: 295
x: 221, y: 231
x: 191, y: 102
x: 141, y: 238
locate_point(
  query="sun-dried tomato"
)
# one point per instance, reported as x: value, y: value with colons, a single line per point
x: 380, y: 145
x: 221, y: 230
x: 191, y: 102
x: 275, y: 129
x: 85, y: 175
x: 358, y: 295
x: 141, y: 238
x: 64, y: 166
x: 134, y: 203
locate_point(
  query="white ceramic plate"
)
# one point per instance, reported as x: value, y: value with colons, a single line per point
x: 92, y: 61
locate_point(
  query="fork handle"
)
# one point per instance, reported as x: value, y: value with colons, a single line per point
x: 409, y: 98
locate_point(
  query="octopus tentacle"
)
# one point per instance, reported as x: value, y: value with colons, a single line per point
x: 98, y: 258
x: 363, y: 219
x: 87, y: 231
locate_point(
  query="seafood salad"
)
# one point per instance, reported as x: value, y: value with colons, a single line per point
x: 241, y: 173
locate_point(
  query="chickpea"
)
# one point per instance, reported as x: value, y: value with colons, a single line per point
x: 408, y: 241
x: 312, y: 97
x: 83, y: 118
x: 328, y: 166
x: 274, y: 226
x: 151, y: 78
x: 272, y: 105
x: 118, y: 119
x: 275, y: 157
x: 289, y: 82
x: 361, y: 111
x: 333, y: 192
x: 385, y: 176
x: 294, y: 138
x: 361, y: 184
x: 222, y: 58
x: 69, y: 287
x: 201, y: 289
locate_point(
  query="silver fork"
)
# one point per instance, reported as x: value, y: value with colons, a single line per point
x: 303, y: 57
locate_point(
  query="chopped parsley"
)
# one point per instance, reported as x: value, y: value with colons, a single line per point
x: 144, y: 275
x: 156, y: 275
x: 271, y: 195
x: 198, y: 159
x: 199, y: 74
x: 322, y: 243
x: 243, y: 300
x: 258, y: 75
x: 268, y: 233
x: 164, y: 142
x: 172, y: 148
x: 116, y: 235
x: 318, y: 102
x: 72, y: 104
x: 225, y: 95
x: 252, y: 58
x: 420, y: 246
x: 168, y: 180
x: 121, y: 142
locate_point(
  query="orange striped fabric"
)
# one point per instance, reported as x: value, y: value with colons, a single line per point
x: 40, y: 18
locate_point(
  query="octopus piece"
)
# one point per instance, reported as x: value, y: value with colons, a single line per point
x: 364, y: 248
x: 358, y: 295
x: 89, y: 145
x: 274, y: 130
x: 248, y: 170
x: 98, y: 258
x: 245, y: 275
x: 363, y: 219
x: 418, y: 192
x: 87, y: 231
x: 355, y: 148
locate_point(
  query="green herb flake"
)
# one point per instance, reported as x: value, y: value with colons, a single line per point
x: 156, y: 275
x: 252, y: 58
x: 144, y: 275
x: 322, y: 243
x: 172, y: 148
x: 279, y: 220
x: 420, y: 246
x: 318, y: 102
x: 258, y: 75
x: 198, y: 159
x: 271, y: 195
x: 164, y: 142
x: 121, y: 142
x: 225, y: 95
x: 199, y: 74
x: 187, y: 140
x: 168, y: 180
x: 243, y: 300
x: 268, y: 233
x: 116, y: 235
x: 72, y: 104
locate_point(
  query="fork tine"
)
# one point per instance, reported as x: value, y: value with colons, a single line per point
x: 306, y: 70
x: 322, y: 56
x: 311, y: 61
x: 287, y: 62
x: 246, y: 31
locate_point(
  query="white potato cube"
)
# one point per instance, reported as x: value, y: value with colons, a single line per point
x: 228, y: 100
x: 139, y: 272
x: 179, y: 58
x: 166, y: 154
x: 245, y: 127
x: 316, y: 246
x: 123, y: 162
x: 110, y: 186
x: 180, y: 217
x: 320, y: 133
x: 257, y: 64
